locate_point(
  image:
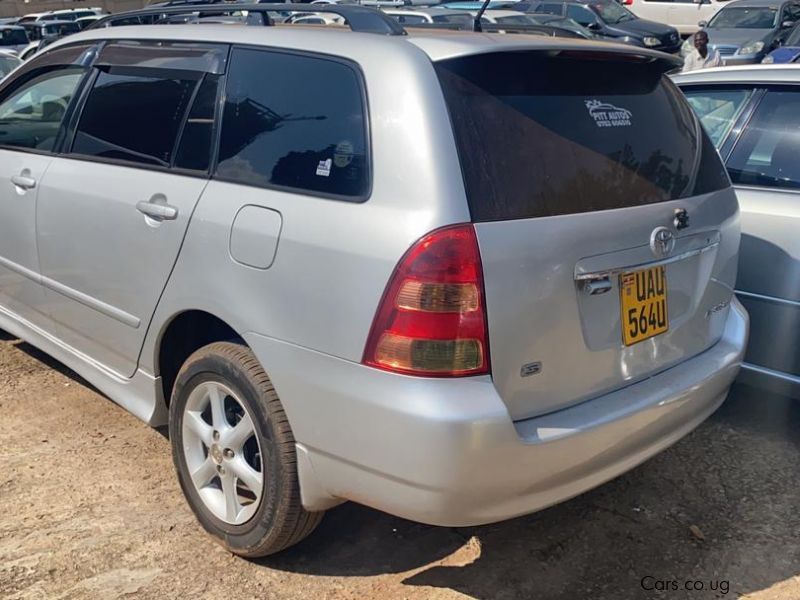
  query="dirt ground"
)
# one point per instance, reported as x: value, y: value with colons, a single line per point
x: 90, y: 508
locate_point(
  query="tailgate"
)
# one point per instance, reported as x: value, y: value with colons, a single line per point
x: 574, y: 167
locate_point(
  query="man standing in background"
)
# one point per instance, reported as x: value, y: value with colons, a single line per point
x: 701, y: 57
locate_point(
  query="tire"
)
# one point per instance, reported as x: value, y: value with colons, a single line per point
x: 248, y: 521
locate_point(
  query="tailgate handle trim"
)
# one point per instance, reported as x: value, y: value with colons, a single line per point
x: 607, y: 273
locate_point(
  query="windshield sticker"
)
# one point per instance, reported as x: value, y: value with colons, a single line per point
x: 608, y: 115
x: 324, y: 168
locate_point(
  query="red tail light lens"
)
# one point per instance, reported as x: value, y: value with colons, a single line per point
x: 432, y: 318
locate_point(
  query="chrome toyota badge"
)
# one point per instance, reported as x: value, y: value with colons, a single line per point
x: 662, y: 242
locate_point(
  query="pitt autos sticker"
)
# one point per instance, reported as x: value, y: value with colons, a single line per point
x: 608, y: 115
x: 324, y: 168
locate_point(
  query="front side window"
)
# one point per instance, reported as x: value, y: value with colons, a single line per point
x: 134, y: 116
x: 611, y: 12
x: 767, y: 152
x: 718, y: 109
x: 31, y: 116
x: 581, y: 14
x: 294, y: 121
x: 550, y: 9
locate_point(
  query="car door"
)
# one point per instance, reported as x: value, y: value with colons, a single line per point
x: 32, y: 111
x: 763, y: 166
x: 114, y: 208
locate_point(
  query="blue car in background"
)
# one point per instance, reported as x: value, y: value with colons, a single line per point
x: 788, y: 52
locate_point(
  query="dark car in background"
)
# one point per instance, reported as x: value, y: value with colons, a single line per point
x: 789, y: 52
x: 611, y: 20
x: 43, y: 30
x: 745, y: 31
x: 12, y: 39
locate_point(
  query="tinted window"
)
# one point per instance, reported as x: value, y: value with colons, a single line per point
x: 31, y: 117
x: 196, y: 141
x: 294, y: 121
x: 539, y: 136
x: 767, y: 152
x: 718, y: 109
x: 581, y: 14
x: 551, y: 9
x: 133, y: 117
x: 611, y: 12
x: 410, y: 19
x: 13, y: 37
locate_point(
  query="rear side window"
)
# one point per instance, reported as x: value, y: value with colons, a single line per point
x: 540, y: 136
x: 767, y: 152
x: 718, y: 109
x: 134, y: 116
x: 294, y: 121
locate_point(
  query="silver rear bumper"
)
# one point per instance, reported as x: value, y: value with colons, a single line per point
x: 445, y: 452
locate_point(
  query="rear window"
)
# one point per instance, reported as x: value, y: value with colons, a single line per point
x: 13, y: 37
x: 541, y: 136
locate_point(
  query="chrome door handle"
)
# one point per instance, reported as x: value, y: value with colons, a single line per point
x: 24, y: 182
x: 155, y: 210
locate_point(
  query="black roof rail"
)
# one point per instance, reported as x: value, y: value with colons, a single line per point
x: 359, y: 18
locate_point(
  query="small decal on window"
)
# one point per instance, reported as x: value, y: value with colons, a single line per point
x: 343, y: 155
x: 324, y: 168
x: 608, y: 115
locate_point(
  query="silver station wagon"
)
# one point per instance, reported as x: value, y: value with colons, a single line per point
x: 456, y: 277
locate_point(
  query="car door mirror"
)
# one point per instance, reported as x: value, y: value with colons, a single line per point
x: 702, y: 24
x: 787, y: 24
x: 594, y: 26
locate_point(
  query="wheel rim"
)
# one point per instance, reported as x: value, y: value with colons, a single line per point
x: 223, y: 453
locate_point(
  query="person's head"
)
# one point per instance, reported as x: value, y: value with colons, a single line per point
x: 701, y: 41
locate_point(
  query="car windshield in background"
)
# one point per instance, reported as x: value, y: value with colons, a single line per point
x: 13, y: 37
x: 540, y: 136
x: 717, y: 109
x: 611, y: 12
x: 515, y: 20
x: 744, y: 17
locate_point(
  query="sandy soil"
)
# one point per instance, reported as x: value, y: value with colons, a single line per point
x: 90, y: 508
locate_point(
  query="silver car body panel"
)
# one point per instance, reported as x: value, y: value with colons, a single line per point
x: 769, y: 261
x: 426, y: 448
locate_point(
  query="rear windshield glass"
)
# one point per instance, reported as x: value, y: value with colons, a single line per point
x: 542, y: 136
x: 13, y: 37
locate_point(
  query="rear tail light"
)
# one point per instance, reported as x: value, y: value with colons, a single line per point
x: 432, y: 318
x: 627, y: 2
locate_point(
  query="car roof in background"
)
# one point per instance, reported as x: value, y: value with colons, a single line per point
x: 789, y: 73
x: 437, y: 44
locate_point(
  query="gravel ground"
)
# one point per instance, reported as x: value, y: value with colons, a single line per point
x: 90, y: 508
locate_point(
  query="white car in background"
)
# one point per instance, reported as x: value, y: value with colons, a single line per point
x: 684, y: 15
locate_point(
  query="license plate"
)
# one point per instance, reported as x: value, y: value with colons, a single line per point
x: 643, y: 304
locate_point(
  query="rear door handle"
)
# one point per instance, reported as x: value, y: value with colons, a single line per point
x: 157, y: 211
x: 23, y: 181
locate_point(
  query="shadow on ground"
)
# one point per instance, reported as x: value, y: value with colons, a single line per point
x: 735, y: 479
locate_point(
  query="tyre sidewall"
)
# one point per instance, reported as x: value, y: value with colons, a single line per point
x: 237, y: 538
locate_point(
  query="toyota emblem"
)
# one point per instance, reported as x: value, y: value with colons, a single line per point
x: 662, y: 242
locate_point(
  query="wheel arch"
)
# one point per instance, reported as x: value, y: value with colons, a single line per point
x: 184, y: 333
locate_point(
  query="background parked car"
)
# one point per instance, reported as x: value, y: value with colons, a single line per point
x: 788, y: 51
x: 41, y: 30
x: 745, y: 31
x: 752, y: 115
x: 13, y: 38
x: 421, y: 16
x: 681, y: 14
x: 611, y: 20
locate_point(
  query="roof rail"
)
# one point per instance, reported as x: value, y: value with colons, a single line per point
x: 359, y: 18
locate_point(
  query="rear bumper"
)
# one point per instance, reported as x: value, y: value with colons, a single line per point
x: 445, y: 452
